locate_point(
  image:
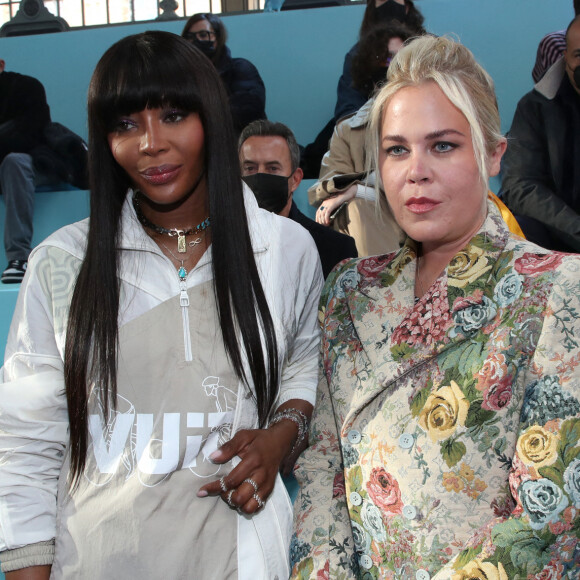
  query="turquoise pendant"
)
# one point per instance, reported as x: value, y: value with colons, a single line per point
x: 182, y: 273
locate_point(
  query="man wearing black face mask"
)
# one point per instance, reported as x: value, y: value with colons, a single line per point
x: 269, y: 158
x: 541, y: 169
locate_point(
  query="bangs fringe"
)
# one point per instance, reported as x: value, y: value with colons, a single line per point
x: 144, y: 78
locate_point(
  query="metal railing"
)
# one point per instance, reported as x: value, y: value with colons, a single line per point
x: 82, y: 13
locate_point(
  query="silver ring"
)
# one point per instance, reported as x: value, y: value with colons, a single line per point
x: 223, y: 484
x: 229, y: 499
x: 259, y: 500
x: 252, y: 483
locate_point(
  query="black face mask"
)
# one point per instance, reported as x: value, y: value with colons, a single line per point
x: 271, y: 191
x: 206, y: 46
x: 391, y: 10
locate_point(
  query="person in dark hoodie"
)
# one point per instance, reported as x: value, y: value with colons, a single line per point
x: 244, y: 85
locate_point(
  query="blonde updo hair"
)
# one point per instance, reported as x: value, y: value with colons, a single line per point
x: 454, y: 69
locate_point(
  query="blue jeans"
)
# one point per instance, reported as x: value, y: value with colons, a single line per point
x: 17, y: 184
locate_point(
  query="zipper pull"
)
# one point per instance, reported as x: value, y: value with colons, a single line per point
x: 183, y: 297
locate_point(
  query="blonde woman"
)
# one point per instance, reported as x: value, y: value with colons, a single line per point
x: 445, y: 441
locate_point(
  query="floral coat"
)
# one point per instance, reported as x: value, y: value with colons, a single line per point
x: 445, y: 440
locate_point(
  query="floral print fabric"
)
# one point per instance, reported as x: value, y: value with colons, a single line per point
x: 445, y: 438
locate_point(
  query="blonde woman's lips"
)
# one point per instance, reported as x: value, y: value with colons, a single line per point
x: 419, y: 205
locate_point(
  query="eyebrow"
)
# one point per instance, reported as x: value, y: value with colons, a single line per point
x: 428, y: 137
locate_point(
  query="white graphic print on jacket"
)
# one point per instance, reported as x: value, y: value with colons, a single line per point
x: 129, y: 442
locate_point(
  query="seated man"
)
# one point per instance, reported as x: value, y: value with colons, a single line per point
x: 270, y: 157
x: 24, y: 115
x: 550, y: 49
x: 541, y: 169
x: 33, y: 152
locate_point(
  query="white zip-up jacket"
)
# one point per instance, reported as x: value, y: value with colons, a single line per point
x: 33, y: 409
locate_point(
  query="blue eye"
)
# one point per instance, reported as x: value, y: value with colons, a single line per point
x: 444, y: 146
x: 396, y: 150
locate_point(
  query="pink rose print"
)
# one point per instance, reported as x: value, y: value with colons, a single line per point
x: 495, y: 381
x: 370, y: 268
x: 384, y: 491
x: 338, y: 488
x: 553, y: 571
x: 494, y: 369
x: 428, y: 321
x: 537, y: 263
x: 462, y: 302
x: 498, y: 395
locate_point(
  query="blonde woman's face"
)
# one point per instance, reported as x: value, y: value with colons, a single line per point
x: 428, y: 167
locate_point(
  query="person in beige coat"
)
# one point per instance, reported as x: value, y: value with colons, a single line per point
x: 343, y: 190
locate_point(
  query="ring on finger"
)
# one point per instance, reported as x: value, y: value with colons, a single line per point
x: 229, y: 499
x: 321, y: 207
x: 259, y: 500
x: 252, y: 483
x: 223, y: 485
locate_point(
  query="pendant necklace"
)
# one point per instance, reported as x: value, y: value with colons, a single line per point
x: 182, y: 271
x: 171, y: 232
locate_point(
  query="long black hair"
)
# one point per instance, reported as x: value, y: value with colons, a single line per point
x: 413, y: 19
x: 368, y: 64
x: 155, y: 69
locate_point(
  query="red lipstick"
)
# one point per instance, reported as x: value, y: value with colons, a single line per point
x: 421, y: 205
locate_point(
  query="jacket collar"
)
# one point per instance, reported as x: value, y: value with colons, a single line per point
x: 394, y: 332
x: 549, y: 84
x: 360, y: 119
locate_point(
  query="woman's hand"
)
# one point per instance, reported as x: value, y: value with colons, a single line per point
x: 331, y: 204
x: 262, y: 453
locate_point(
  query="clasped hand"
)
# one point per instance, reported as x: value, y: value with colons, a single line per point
x: 248, y: 486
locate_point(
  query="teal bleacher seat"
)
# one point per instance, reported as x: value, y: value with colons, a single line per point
x: 52, y: 210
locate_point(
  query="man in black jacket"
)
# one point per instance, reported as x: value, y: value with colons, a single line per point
x: 24, y: 116
x: 270, y: 158
x: 541, y: 168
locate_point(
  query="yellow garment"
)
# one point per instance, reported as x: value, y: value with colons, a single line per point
x: 507, y: 215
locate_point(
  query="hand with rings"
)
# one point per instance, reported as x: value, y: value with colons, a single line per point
x: 331, y: 204
x: 248, y: 485
x: 229, y: 494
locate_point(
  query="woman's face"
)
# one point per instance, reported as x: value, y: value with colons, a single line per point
x: 162, y: 152
x: 428, y: 168
x: 203, y: 30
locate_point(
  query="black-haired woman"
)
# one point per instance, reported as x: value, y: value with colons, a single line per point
x: 162, y: 360
x: 350, y: 97
x: 244, y: 85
